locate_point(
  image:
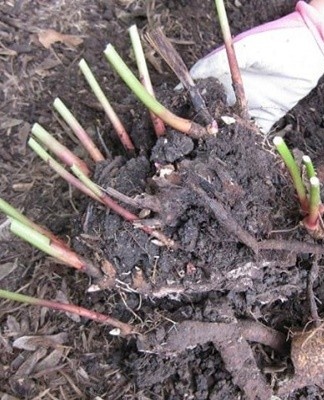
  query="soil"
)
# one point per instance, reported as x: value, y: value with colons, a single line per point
x: 218, y: 312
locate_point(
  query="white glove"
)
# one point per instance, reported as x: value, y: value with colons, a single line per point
x: 280, y: 63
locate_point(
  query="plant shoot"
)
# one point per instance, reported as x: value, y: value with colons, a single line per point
x: 124, y: 328
x: 80, y: 133
x: 181, y: 124
x: 232, y: 60
x: 294, y: 171
x: 110, y: 112
x: 145, y: 76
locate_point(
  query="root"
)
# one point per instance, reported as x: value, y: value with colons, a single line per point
x: 231, y: 341
x: 312, y: 276
x: 224, y: 218
x: 293, y: 246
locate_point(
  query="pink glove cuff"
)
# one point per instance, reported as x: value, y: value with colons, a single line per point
x: 305, y: 14
x: 292, y: 20
x: 314, y: 21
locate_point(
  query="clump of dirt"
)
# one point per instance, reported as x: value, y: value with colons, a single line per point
x: 216, y: 198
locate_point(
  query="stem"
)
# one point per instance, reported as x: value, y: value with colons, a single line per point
x: 81, y: 134
x: 183, y: 125
x: 309, y: 167
x: 293, y: 170
x: 127, y: 215
x: 58, y: 149
x: 311, y: 221
x: 116, y: 122
x: 59, y: 169
x: 145, y: 76
x: 108, y: 201
x: 70, y: 308
x: 12, y: 212
x: 232, y: 60
x: 62, y: 253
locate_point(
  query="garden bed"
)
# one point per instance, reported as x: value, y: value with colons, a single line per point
x: 213, y: 309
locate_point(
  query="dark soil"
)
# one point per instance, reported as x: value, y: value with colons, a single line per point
x: 214, y: 312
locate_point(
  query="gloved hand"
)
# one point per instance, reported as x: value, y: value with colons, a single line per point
x: 280, y: 63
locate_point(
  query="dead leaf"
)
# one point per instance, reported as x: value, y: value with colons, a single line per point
x: 13, y: 326
x: 10, y: 123
x: 62, y: 298
x: 4, y: 51
x: 27, y: 366
x: 7, y: 268
x: 82, y: 373
x: 50, y: 36
x: 5, y: 233
x: 5, y: 346
x: 44, y: 68
x: 32, y: 343
x: 23, y: 135
x: 6, y: 396
x: 50, y: 361
x: 108, y: 269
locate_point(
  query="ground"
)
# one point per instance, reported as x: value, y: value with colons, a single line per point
x: 211, y: 313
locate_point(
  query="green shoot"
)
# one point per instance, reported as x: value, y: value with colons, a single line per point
x: 309, y: 167
x: 293, y: 170
x: 80, y: 133
x: 62, y: 253
x: 145, y: 76
x: 232, y: 60
x: 183, y: 125
x: 59, y: 169
x: 12, y: 212
x: 116, y: 122
x: 58, y: 149
x: 312, y: 219
x: 124, y: 328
